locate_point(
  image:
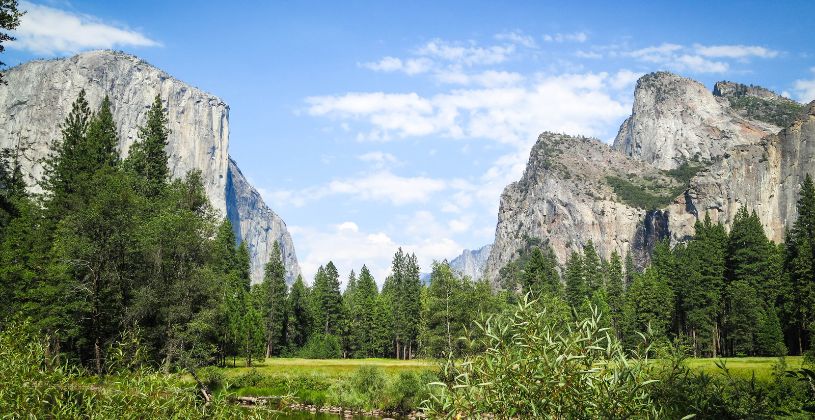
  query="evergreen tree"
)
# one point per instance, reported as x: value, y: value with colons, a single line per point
x: 576, y: 289
x: 592, y: 269
x: 614, y: 291
x: 299, y: 315
x: 327, y: 300
x: 769, y: 337
x: 364, y: 312
x: 540, y: 273
x: 273, y: 301
x: 648, y: 306
x: 148, y: 157
x: 9, y: 20
x: 798, y: 305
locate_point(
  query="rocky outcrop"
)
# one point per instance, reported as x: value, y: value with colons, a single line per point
x: 471, y: 263
x: 39, y: 95
x: 257, y: 225
x: 565, y: 199
x: 758, y: 103
x: 675, y: 120
x: 628, y: 197
x: 765, y: 177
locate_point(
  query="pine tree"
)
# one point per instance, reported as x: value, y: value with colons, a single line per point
x: 798, y: 305
x: 576, y: 289
x: 273, y: 301
x: 592, y: 269
x: 9, y: 20
x: 540, y: 273
x: 614, y: 291
x: 364, y: 310
x: 769, y: 337
x: 299, y: 311
x: 148, y: 157
x: 443, y: 327
x: 648, y: 305
x: 327, y: 300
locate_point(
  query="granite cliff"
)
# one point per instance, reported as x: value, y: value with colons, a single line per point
x: 471, y: 263
x: 39, y: 95
x: 684, y: 152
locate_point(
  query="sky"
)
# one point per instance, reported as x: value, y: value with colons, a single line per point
x: 373, y: 125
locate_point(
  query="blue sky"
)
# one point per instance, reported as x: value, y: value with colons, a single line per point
x: 373, y: 125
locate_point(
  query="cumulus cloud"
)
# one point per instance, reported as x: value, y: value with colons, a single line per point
x: 519, y: 38
x: 49, y: 31
x: 805, y: 88
x: 380, y: 185
x: 466, y: 53
x: 699, y: 58
x: 410, y: 67
x: 569, y: 37
x: 735, y: 51
x: 379, y: 159
x: 573, y: 103
x: 349, y: 247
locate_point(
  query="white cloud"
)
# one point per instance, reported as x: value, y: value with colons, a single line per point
x: 517, y: 38
x: 349, y: 247
x: 699, y: 58
x: 735, y: 51
x: 805, y: 89
x: 573, y: 103
x: 624, y: 80
x: 380, y: 185
x: 379, y: 159
x: 571, y: 37
x: 49, y: 31
x: 672, y: 57
x: 410, y: 67
x: 468, y: 54
x: 385, y: 186
x: 588, y: 54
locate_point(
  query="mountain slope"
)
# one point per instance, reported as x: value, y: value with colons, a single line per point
x: 39, y: 95
x: 471, y: 263
x: 683, y: 152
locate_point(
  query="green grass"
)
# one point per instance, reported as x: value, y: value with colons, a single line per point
x: 745, y: 367
x: 327, y: 367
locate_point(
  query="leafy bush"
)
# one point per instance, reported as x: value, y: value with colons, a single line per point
x: 321, y: 346
x: 406, y: 391
x: 533, y: 368
x: 251, y: 378
x: 682, y: 391
x: 37, y: 385
x: 212, y: 377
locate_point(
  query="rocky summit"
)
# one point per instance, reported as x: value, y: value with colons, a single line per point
x: 39, y: 95
x: 684, y: 152
x: 471, y: 263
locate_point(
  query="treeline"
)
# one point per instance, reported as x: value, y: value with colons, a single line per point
x: 113, y: 247
x: 721, y: 293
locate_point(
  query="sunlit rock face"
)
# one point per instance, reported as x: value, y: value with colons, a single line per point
x: 38, y: 97
x: 471, y: 263
x: 565, y: 197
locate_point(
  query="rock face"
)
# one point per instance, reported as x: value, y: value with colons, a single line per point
x: 677, y: 119
x: 576, y: 189
x: 257, y: 225
x: 39, y: 95
x: 471, y: 263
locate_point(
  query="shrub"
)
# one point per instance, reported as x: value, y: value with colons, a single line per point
x: 212, y: 377
x: 532, y: 369
x: 406, y: 391
x: 321, y: 346
x: 251, y: 378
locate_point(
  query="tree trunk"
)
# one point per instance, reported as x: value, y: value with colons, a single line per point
x: 98, y: 355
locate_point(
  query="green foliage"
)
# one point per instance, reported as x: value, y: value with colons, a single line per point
x: 37, y: 384
x: 779, y: 112
x: 321, y: 346
x: 9, y: 20
x: 534, y: 368
x: 651, y: 195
